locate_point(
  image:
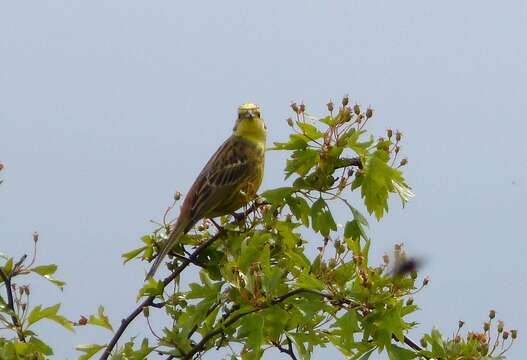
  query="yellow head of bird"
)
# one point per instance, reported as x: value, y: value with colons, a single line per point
x: 250, y: 124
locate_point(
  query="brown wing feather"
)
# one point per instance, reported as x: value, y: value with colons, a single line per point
x: 219, y: 181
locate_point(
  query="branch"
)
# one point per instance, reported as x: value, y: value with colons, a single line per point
x: 344, y: 162
x: 289, y: 351
x: 200, y: 345
x: 10, y: 303
x: 150, y: 300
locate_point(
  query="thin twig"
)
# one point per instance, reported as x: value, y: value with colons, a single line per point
x: 150, y: 300
x: 175, y: 273
x: 7, y: 281
x: 201, y: 344
x: 289, y: 351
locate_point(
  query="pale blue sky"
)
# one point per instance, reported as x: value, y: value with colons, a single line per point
x: 104, y: 106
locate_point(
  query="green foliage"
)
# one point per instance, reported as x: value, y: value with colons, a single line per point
x: 260, y: 286
x: 283, y: 274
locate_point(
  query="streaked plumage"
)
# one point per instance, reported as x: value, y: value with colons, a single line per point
x: 229, y: 180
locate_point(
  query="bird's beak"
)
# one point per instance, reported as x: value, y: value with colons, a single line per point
x: 251, y: 114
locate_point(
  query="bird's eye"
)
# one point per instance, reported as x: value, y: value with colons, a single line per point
x: 257, y: 114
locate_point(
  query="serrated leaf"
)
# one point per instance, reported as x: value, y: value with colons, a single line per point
x: 398, y: 353
x: 46, y: 271
x: 277, y: 196
x: 100, y: 319
x: 89, y: 350
x: 301, y: 161
x: 151, y: 288
x: 132, y: 254
x: 309, y: 282
x: 310, y: 130
x: 51, y: 313
x: 8, y: 267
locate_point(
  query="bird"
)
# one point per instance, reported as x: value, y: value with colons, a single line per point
x: 228, y: 181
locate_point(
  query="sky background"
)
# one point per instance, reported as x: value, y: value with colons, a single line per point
x: 108, y: 107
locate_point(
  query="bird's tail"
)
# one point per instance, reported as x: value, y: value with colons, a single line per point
x: 173, y: 238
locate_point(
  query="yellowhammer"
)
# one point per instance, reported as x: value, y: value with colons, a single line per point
x: 228, y: 181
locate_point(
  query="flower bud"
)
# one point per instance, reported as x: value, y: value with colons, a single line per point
x: 23, y: 306
x: 501, y: 325
x: 398, y: 135
x: 369, y: 113
x: 83, y: 320
x: 426, y: 281
x: 505, y: 335
x: 460, y: 324
x: 146, y: 311
x: 397, y: 149
x: 345, y: 100
x: 35, y: 236
x: 330, y: 106
x: 403, y: 162
x: 486, y: 326
x: 410, y: 301
x: 514, y: 334
x: 457, y: 339
x: 294, y: 106
x: 356, y: 109
x: 301, y: 108
x: 492, y: 314
x: 177, y: 196
x: 290, y: 122
x: 386, y: 259
x: 389, y: 132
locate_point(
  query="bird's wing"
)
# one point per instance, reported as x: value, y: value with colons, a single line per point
x: 229, y: 167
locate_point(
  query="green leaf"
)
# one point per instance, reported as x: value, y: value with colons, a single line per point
x: 50, y: 313
x: 277, y: 196
x: 310, y: 130
x: 296, y: 142
x: 309, y: 282
x: 398, y: 353
x: 378, y: 181
x: 8, y: 267
x: 321, y: 219
x: 132, y: 254
x: 301, y: 162
x: 151, y: 288
x: 37, y: 345
x: 89, y: 350
x: 300, y: 208
x: 100, y: 319
x: 46, y: 271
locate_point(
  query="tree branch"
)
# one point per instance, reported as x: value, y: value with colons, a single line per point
x: 203, y: 342
x: 289, y: 351
x: 7, y: 281
x: 175, y: 273
x: 150, y: 300
x: 344, y: 162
